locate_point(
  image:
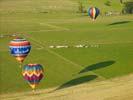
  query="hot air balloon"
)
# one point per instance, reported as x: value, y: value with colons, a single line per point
x: 33, y: 73
x: 19, y: 48
x: 93, y: 12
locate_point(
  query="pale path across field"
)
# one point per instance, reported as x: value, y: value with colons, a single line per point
x: 113, y: 89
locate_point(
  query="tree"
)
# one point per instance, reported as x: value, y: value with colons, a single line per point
x: 107, y: 3
x: 82, y: 8
x: 121, y: 1
x: 128, y: 7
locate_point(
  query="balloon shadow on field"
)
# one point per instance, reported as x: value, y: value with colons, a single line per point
x: 97, y: 66
x: 77, y: 81
x: 120, y: 22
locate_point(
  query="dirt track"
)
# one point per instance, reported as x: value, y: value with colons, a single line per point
x: 113, y: 89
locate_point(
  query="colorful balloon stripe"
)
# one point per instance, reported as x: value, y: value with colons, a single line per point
x: 20, y: 43
x: 19, y: 50
x: 33, y: 78
x: 32, y: 73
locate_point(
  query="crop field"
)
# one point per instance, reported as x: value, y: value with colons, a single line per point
x: 107, y: 50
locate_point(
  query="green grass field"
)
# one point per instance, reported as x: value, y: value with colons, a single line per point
x: 49, y: 22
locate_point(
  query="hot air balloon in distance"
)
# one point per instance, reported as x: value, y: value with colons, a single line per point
x: 19, y: 48
x: 33, y: 73
x: 93, y: 12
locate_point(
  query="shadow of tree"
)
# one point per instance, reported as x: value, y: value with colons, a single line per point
x: 97, y: 66
x: 77, y: 81
x: 121, y: 22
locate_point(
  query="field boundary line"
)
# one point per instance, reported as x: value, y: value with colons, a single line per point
x: 54, y: 26
x: 47, y: 30
x: 71, y: 62
x: 62, y: 57
x: 38, y: 45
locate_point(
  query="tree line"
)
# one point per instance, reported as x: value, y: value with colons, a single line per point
x: 127, y: 6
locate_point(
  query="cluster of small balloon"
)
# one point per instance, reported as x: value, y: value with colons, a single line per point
x: 93, y: 12
x: 32, y: 73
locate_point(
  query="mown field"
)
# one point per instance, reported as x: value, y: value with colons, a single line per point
x: 109, y: 40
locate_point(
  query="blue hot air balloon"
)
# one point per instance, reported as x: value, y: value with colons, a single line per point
x: 19, y: 48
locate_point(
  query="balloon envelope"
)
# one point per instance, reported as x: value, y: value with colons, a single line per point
x: 93, y: 12
x: 19, y: 48
x: 33, y: 73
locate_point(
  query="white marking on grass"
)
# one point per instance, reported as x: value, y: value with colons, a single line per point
x: 51, y: 46
x: 39, y: 48
x: 71, y: 62
x: 55, y: 26
x: 61, y: 46
x: 38, y: 45
x: 48, y: 30
x: 62, y: 57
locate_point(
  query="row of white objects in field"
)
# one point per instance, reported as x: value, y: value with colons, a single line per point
x: 9, y: 35
x: 74, y: 46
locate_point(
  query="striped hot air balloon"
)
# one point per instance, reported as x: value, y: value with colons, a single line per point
x: 93, y: 12
x: 19, y: 48
x: 33, y: 73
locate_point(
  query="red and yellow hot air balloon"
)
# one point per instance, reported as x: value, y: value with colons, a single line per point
x: 19, y: 48
x: 33, y: 73
x: 93, y: 12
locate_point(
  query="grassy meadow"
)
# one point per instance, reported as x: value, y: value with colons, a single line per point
x: 56, y: 22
